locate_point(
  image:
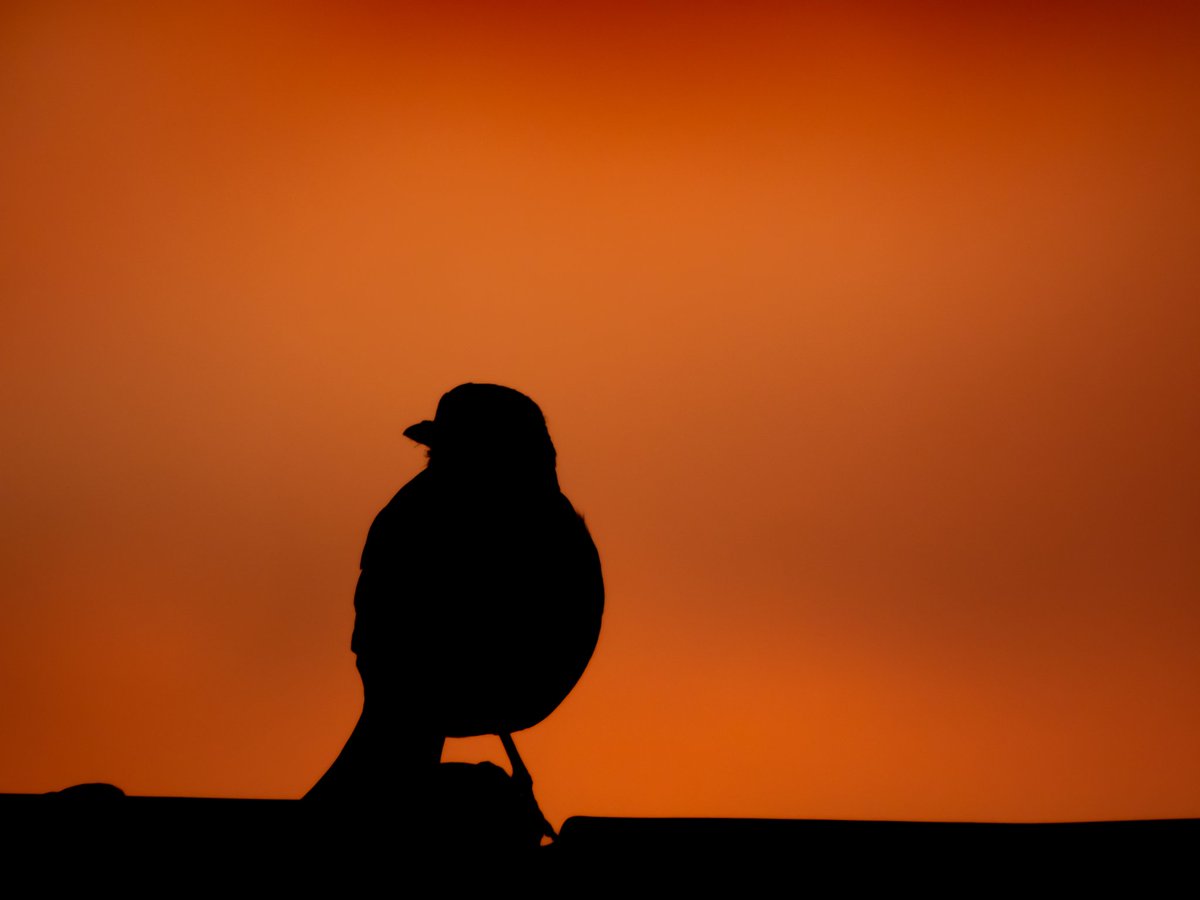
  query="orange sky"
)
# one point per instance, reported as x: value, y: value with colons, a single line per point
x: 867, y: 336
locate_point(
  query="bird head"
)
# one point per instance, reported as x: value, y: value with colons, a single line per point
x: 488, y: 434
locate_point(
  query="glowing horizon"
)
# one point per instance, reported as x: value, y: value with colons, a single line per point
x: 867, y: 340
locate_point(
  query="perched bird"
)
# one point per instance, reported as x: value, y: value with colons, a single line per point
x: 480, y: 597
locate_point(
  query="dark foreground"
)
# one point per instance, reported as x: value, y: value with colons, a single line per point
x: 174, y: 842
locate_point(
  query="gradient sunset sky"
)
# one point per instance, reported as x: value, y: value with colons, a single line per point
x: 868, y: 334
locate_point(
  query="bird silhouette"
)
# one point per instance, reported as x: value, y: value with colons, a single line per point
x: 479, y: 602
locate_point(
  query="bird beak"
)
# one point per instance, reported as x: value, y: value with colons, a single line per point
x: 422, y: 433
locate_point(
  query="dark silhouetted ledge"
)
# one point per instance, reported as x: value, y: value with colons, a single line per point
x: 295, y: 842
